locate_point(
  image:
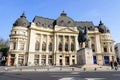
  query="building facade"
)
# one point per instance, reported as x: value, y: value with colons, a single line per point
x: 47, y: 41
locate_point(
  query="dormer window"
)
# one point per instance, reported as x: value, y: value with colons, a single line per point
x: 39, y: 23
x: 24, y: 24
x: 15, y: 32
x: 61, y: 21
x: 69, y: 22
x: 43, y: 25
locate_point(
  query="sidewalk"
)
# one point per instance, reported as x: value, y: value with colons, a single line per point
x: 54, y: 69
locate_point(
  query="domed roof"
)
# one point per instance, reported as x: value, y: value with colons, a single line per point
x: 22, y: 21
x: 64, y: 20
x: 102, y: 28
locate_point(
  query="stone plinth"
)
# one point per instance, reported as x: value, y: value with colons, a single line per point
x: 85, y: 57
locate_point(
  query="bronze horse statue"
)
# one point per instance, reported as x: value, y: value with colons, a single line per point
x: 83, y: 37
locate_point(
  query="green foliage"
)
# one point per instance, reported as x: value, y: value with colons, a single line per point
x: 4, y: 46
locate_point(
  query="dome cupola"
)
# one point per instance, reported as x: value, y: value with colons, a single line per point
x: 64, y: 20
x: 102, y: 28
x: 22, y: 21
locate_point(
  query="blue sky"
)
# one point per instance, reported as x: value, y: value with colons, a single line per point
x: 79, y: 10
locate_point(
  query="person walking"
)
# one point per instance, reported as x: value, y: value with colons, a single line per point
x: 112, y: 65
x: 116, y: 65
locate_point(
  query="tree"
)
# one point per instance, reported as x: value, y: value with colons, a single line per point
x: 4, y: 46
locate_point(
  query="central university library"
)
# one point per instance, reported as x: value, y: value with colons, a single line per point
x: 48, y: 42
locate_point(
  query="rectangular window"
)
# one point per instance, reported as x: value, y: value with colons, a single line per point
x: 50, y: 61
x: 43, y: 61
x: 36, y: 59
x: 22, y: 46
x: 14, y: 46
x: 21, y: 59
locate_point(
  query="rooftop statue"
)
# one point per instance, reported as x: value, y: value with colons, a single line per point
x: 83, y: 37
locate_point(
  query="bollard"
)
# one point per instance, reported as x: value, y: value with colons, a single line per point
x: 35, y: 69
x: 20, y: 69
x: 73, y: 69
x: 84, y: 69
x: 95, y: 69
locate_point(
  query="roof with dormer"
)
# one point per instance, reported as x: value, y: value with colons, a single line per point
x: 63, y: 20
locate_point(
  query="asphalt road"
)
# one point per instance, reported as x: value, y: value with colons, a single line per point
x: 60, y: 75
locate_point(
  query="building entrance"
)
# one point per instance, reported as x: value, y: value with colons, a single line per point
x: 67, y: 60
x: 106, y: 59
x: 12, y: 60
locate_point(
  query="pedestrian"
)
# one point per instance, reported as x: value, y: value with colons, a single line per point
x: 112, y: 65
x: 116, y: 65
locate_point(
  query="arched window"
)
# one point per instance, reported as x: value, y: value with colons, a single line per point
x: 105, y: 49
x: 50, y: 47
x: 37, y: 45
x: 43, y: 46
x: 66, y: 46
x: 93, y: 47
x: 72, y: 47
x: 60, y: 46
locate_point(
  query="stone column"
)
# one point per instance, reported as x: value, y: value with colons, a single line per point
x: 75, y: 59
x: 54, y: 59
x: 57, y: 60
x: 25, y: 58
x: 77, y: 47
x: 31, y: 59
x: 16, y: 59
x: 56, y: 43
x: 70, y: 59
x: 63, y: 60
x: 63, y: 45
x: 69, y: 44
x: 46, y: 59
x: 109, y: 47
x: 17, y: 44
x: 47, y: 44
x: 40, y: 59
x: 41, y: 41
x: 55, y: 46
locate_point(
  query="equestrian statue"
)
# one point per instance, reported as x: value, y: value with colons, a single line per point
x: 83, y: 37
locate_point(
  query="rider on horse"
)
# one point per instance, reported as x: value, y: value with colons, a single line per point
x: 83, y: 37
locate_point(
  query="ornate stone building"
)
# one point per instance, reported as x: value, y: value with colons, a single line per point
x: 47, y: 41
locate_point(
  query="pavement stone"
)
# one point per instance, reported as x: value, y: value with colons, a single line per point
x: 54, y: 68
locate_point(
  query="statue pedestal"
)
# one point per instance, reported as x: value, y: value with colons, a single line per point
x: 85, y: 57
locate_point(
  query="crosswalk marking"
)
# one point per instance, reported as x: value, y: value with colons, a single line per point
x: 94, y: 78
x: 68, y: 78
x: 74, y: 73
x: 65, y: 75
